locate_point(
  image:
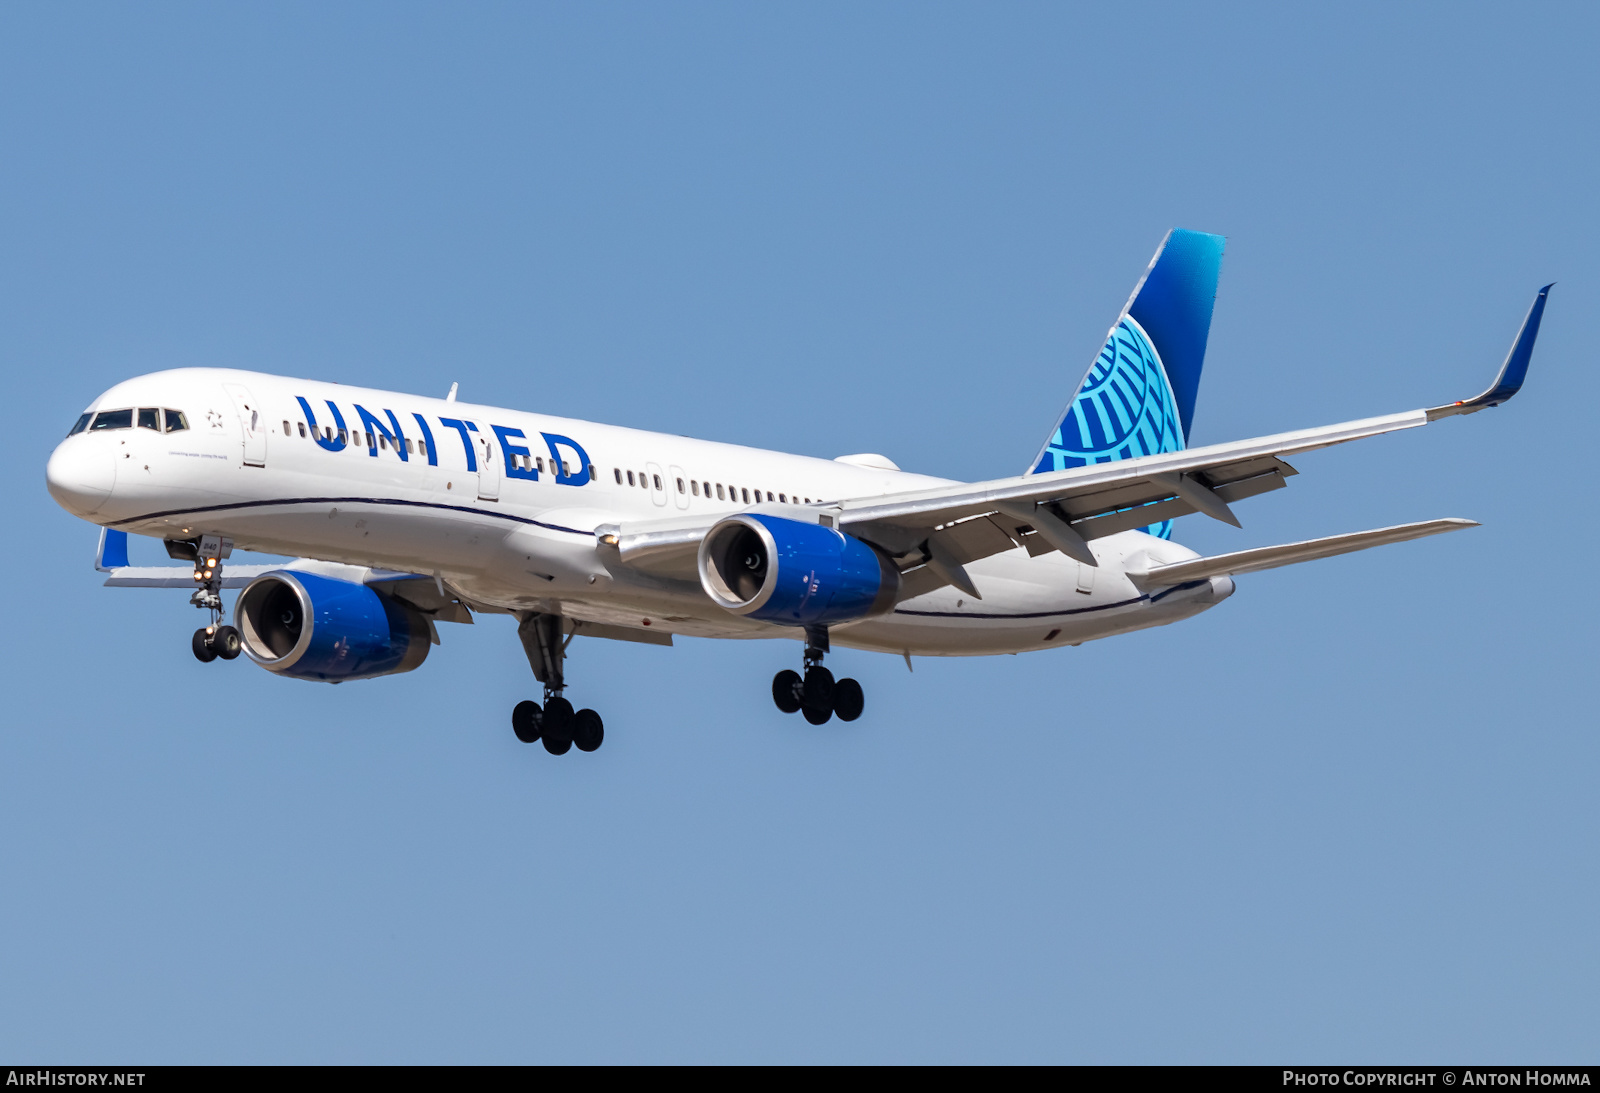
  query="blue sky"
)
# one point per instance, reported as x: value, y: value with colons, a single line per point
x: 1350, y: 814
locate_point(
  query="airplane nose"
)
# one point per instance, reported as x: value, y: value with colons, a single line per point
x: 80, y: 475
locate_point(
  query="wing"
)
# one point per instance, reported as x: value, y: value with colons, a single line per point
x: 933, y: 533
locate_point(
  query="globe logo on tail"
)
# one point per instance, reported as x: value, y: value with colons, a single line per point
x: 1125, y: 409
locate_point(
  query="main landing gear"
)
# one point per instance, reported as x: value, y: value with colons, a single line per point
x: 817, y: 694
x: 556, y: 723
x: 216, y: 640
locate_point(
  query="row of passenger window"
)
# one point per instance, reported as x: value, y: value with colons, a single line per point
x: 736, y: 494
x: 356, y: 437
x: 148, y: 417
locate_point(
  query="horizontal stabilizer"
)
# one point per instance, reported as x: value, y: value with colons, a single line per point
x: 1249, y: 561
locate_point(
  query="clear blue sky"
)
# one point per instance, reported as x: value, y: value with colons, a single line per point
x: 1349, y: 815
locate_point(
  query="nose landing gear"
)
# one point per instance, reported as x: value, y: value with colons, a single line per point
x: 556, y: 724
x: 216, y: 640
x: 816, y: 694
x: 211, y: 642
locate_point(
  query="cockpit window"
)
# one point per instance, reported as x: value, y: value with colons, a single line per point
x: 176, y: 422
x: 112, y: 419
x: 149, y: 418
x: 83, y: 423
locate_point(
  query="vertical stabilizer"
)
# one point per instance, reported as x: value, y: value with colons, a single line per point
x: 1138, y: 397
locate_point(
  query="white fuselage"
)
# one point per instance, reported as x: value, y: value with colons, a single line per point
x: 472, y: 494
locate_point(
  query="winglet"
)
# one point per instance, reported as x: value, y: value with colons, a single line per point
x: 1512, y: 373
x: 112, y: 552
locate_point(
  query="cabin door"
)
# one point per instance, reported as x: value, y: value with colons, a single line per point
x: 678, y: 486
x: 252, y: 422
x: 488, y: 469
x: 658, y: 483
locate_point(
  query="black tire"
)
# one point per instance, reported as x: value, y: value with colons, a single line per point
x: 227, y: 642
x: 526, y: 717
x: 786, y: 690
x: 848, y: 701
x: 557, y: 727
x: 818, y: 690
x: 816, y: 716
x: 588, y: 731
x: 201, y: 644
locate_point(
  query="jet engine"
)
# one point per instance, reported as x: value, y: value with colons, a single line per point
x: 794, y: 574
x: 306, y: 626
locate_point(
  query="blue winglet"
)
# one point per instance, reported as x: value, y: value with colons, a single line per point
x: 1512, y: 372
x: 113, y: 551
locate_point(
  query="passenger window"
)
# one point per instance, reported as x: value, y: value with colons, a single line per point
x: 383, y: 442
x: 286, y: 430
x: 630, y: 478
x: 644, y: 481
x: 175, y: 421
x: 680, y: 485
x: 410, y: 446
x: 784, y: 498
x: 82, y: 424
x: 694, y: 487
x: 618, y: 472
x: 302, y: 430
x: 149, y: 418
x: 566, y: 471
x: 656, y: 478
x: 112, y: 419
x: 706, y: 489
x: 341, y: 436
x: 540, y: 462
x: 746, y: 496
x: 719, y: 491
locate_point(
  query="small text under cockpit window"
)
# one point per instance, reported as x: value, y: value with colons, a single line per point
x: 112, y: 419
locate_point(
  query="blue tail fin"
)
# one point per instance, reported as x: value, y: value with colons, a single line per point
x: 1138, y: 398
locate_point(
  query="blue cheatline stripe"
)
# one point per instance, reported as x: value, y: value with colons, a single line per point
x: 350, y: 501
x: 1053, y: 614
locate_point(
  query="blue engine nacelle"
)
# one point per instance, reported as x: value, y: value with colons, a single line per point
x: 310, y: 627
x: 794, y: 574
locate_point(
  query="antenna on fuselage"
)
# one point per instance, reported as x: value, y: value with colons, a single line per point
x: 451, y: 397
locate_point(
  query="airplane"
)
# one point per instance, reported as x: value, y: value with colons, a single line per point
x: 404, y: 512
